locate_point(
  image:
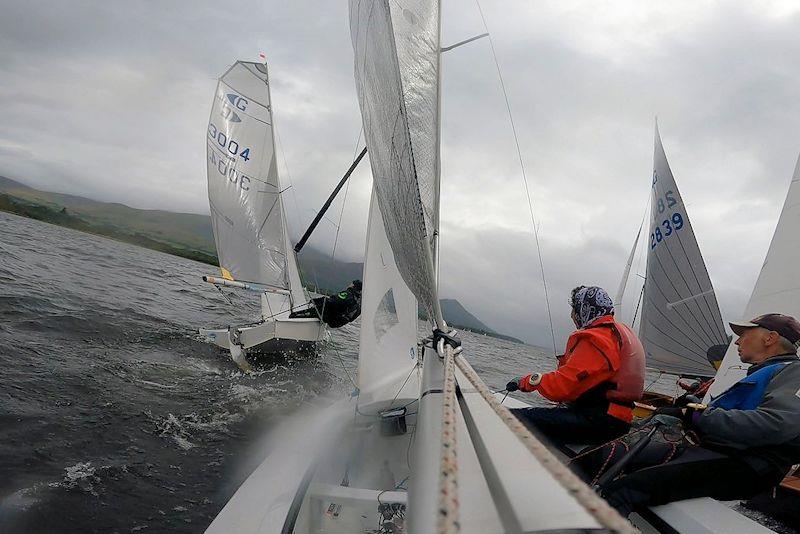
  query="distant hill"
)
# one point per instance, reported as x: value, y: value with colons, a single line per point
x: 180, y: 230
x: 188, y: 235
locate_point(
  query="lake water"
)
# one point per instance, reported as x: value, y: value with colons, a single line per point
x: 114, y: 415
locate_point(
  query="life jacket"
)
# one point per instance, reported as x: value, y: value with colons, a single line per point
x: 625, y: 355
x: 747, y: 393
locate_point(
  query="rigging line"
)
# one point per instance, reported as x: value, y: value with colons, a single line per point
x: 289, y: 177
x: 333, y: 263
x: 624, y: 282
x: 660, y: 374
x: 226, y: 298
x: 341, y: 212
x: 524, y: 178
x: 638, y: 303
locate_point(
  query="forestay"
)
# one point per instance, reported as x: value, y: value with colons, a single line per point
x: 243, y: 187
x: 388, y: 339
x: 396, y: 49
x: 680, y: 314
x: 777, y: 288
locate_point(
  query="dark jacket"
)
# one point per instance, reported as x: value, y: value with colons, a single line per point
x: 339, y: 309
x: 767, y: 437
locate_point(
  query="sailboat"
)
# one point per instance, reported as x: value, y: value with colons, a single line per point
x: 406, y: 452
x: 680, y: 317
x: 248, y: 217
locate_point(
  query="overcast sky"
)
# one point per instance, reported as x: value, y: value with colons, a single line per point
x: 110, y: 100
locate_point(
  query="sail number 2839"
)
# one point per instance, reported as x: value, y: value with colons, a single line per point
x: 665, y: 229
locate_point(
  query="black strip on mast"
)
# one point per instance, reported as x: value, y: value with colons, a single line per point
x: 327, y: 204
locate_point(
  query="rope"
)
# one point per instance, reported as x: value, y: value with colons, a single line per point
x: 524, y: 178
x: 447, y: 522
x: 591, y: 502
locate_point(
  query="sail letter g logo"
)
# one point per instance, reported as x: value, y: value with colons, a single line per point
x: 239, y: 102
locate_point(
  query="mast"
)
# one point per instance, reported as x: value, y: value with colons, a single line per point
x: 438, y: 162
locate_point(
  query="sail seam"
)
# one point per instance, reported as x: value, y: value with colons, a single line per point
x: 702, y: 333
x: 649, y: 298
x: 713, y: 329
x: 717, y: 324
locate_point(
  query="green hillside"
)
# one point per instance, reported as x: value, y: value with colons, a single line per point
x: 181, y: 230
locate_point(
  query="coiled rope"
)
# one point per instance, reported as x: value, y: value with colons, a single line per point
x: 447, y: 521
x: 591, y: 502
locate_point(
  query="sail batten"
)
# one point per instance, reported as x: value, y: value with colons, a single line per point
x: 243, y: 186
x: 681, y: 319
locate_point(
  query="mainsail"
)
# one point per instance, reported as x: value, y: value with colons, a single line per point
x: 777, y: 288
x: 243, y: 187
x: 680, y: 315
x: 396, y: 65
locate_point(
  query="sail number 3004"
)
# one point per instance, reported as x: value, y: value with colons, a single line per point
x: 670, y: 226
x: 227, y: 144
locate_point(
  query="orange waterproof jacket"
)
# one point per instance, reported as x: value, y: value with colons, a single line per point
x: 603, y: 363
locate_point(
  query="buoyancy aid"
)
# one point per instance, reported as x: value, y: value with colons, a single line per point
x: 627, y: 353
x: 747, y: 393
x: 602, y: 368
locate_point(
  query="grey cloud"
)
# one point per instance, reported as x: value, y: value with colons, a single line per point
x: 110, y: 100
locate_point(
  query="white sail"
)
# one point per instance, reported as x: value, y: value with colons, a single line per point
x: 625, y: 274
x: 396, y: 65
x: 680, y: 315
x: 388, y: 339
x: 777, y: 288
x: 243, y: 186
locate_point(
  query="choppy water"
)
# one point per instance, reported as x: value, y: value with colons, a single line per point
x: 114, y: 415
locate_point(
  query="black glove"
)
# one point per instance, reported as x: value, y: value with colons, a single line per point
x: 684, y: 414
x: 683, y: 400
x: 672, y: 411
x: 513, y: 385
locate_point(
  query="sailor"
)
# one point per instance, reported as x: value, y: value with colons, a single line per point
x: 335, y: 310
x: 598, y: 378
x: 747, y: 438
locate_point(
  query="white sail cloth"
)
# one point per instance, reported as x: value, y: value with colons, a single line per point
x: 396, y: 49
x: 388, y: 338
x: 777, y: 288
x: 243, y: 186
x: 680, y: 314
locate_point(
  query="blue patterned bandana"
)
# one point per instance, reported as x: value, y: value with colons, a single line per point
x: 590, y: 303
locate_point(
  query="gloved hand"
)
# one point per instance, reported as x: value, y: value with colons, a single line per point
x: 683, y: 400
x: 666, y: 420
x: 513, y: 385
x: 672, y: 411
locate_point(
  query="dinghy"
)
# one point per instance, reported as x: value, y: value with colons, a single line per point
x: 249, y: 220
x: 422, y: 445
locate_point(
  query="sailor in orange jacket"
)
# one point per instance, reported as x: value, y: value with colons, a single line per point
x: 598, y: 378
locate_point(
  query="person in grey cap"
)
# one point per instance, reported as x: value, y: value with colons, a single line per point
x: 747, y: 438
